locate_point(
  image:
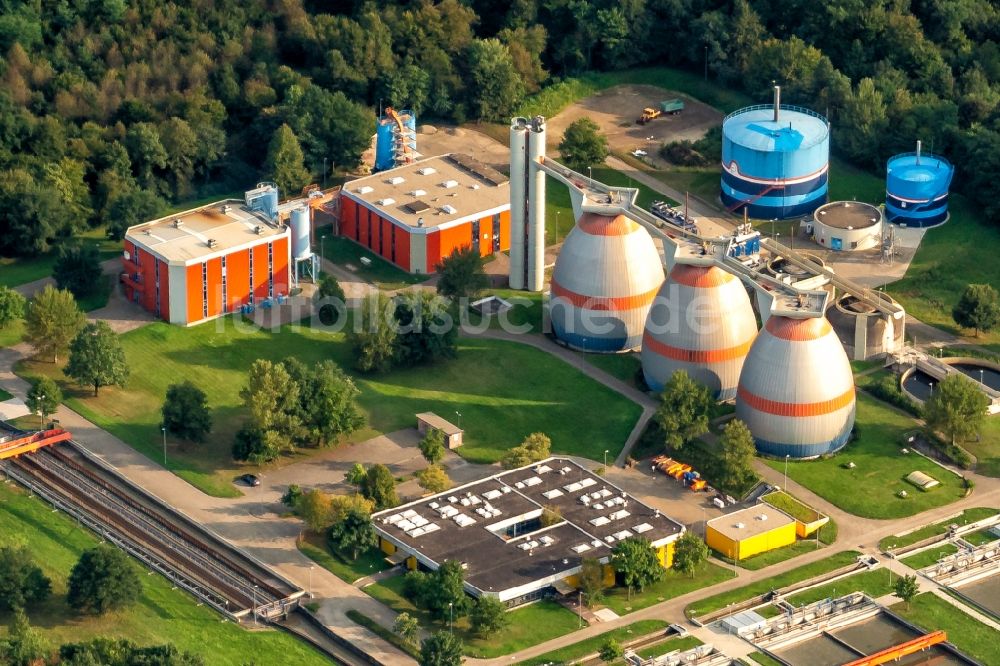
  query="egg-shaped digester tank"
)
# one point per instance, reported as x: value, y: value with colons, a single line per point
x: 775, y: 161
x: 701, y: 322
x: 916, y: 189
x: 605, y: 279
x: 796, y: 390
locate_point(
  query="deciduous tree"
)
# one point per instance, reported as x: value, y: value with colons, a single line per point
x: 327, y: 406
x: 52, y: 321
x: 23, y: 646
x: 96, y: 357
x: 44, y: 397
x: 356, y: 475
x: 186, y: 413
x: 487, y: 616
x: 611, y: 650
x: 433, y: 479
x: 284, y: 162
x: 130, y: 207
x: 441, y: 649
x: 353, y: 533
x: 906, y: 587
x: 432, y: 446
x: 536, y: 446
x: 373, y: 337
x: 12, y: 306
x: 956, y: 407
x: 635, y: 561
x: 461, y: 274
x: 591, y: 580
x: 583, y: 145
x: 77, y: 268
x: 380, y: 487
x: 690, y: 552
x: 683, y: 411
x: 22, y: 582
x: 978, y: 309
x: 406, y: 627
x: 314, y: 508
x: 737, y: 457
x: 497, y: 88
x: 103, y: 579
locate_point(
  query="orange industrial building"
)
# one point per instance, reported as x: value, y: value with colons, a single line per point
x: 416, y: 214
x: 190, y: 267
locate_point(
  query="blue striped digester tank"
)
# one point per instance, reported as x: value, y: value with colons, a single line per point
x: 775, y: 161
x: 916, y: 189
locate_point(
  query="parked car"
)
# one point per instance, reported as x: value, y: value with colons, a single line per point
x: 639, y: 152
x: 251, y: 480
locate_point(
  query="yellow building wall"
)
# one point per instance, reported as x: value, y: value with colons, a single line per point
x: 411, y: 563
x: 778, y: 537
x: 665, y: 555
x: 386, y: 547
x: 805, y: 529
x: 608, y: 580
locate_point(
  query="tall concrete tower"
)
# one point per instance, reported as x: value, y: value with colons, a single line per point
x: 527, y: 204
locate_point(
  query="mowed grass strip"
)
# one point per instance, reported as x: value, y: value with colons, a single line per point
x: 528, y: 625
x: 967, y: 634
x: 370, y: 562
x: 593, y: 644
x: 674, y: 584
x: 162, y: 615
x: 930, y: 556
x: 504, y: 391
x: 870, y: 489
x: 811, y: 570
x: 966, y: 517
x: 874, y: 583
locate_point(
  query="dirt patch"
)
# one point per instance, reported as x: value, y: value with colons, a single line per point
x: 616, y: 109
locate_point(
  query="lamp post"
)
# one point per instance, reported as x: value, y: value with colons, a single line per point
x: 459, y: 414
x: 605, y: 460
x: 41, y: 407
x: 311, y: 595
x: 557, y: 226
x: 931, y: 384
x: 579, y: 608
x: 786, y: 472
x: 163, y: 429
x: 590, y: 172
x: 981, y: 377
x: 255, y: 605
x: 324, y: 173
x: 773, y: 221
x: 451, y: 617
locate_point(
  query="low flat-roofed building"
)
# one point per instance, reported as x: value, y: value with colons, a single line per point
x: 751, y: 531
x: 494, y: 527
x: 431, y: 421
x: 203, y: 263
x: 415, y: 215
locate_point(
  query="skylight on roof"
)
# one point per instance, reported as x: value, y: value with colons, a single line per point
x: 532, y: 481
x: 642, y: 529
x: 552, y: 494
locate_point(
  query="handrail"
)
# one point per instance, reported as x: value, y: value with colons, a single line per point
x: 783, y: 107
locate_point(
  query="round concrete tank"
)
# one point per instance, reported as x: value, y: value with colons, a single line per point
x: 848, y: 226
x: 780, y: 267
x: 605, y: 279
x: 916, y: 189
x: 796, y: 390
x: 701, y: 322
x: 854, y: 320
x: 775, y: 162
x: 301, y: 231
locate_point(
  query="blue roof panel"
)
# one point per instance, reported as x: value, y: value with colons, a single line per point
x: 755, y: 128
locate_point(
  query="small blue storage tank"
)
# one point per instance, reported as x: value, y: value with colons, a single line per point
x: 389, y: 141
x: 775, y: 160
x: 916, y: 189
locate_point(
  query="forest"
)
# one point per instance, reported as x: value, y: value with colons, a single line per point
x: 110, y: 109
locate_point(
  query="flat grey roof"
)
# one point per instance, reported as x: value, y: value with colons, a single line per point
x: 230, y: 224
x: 475, y: 524
x: 751, y: 522
x: 848, y: 215
x: 438, y: 190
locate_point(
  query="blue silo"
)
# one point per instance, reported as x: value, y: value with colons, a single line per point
x: 775, y: 160
x: 395, y: 139
x: 916, y: 189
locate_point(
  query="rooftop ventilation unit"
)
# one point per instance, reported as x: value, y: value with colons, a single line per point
x: 449, y: 183
x: 178, y: 223
x: 448, y: 208
x: 364, y: 189
x: 388, y: 201
x: 212, y: 243
x: 258, y: 229
x: 426, y: 171
x: 417, y: 193
x: 396, y: 180
x: 740, y: 526
x: 226, y: 208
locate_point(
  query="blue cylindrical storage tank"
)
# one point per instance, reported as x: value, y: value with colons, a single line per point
x: 916, y: 189
x: 383, y: 145
x: 775, y: 165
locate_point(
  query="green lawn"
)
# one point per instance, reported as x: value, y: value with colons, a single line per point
x: 594, y: 643
x: 11, y: 334
x: 674, y: 584
x: 314, y: 547
x: 870, y: 489
x: 967, y: 516
x: 785, y: 579
x: 702, y: 183
x: 386, y: 634
x: 101, y: 294
x: 783, y: 554
x: 4, y: 395
x: 504, y: 391
x: 763, y: 659
x: 162, y: 615
x: 987, y: 447
x: 622, y: 366
x: 874, y: 583
x: 981, y: 538
x: 796, y: 509
x: 529, y: 625
x: 929, y: 556
x: 525, y: 313
x: 16, y: 271
x: 967, y: 634
x: 669, y: 645
x: 343, y: 251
